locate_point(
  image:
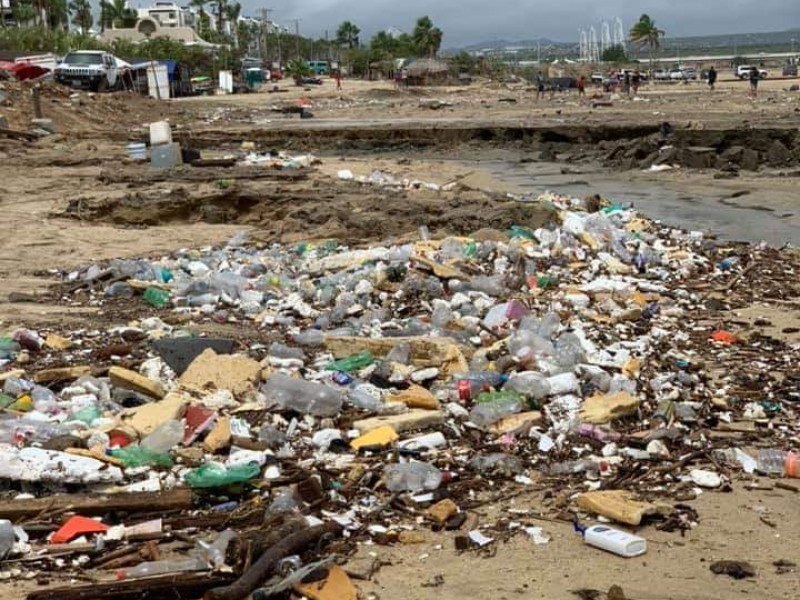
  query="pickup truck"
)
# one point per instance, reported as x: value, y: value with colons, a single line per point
x: 743, y: 72
x: 90, y: 69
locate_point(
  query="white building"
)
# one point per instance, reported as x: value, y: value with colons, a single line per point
x: 169, y: 14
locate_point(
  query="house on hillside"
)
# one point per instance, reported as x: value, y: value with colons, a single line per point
x: 148, y: 27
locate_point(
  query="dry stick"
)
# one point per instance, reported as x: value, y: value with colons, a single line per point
x: 261, y: 569
x: 732, y: 282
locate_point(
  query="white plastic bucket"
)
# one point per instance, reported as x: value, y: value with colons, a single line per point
x: 160, y: 133
x: 137, y: 150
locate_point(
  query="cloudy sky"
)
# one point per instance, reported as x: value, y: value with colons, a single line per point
x: 471, y: 21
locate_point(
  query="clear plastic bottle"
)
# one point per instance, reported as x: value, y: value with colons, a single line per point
x: 309, y: 337
x: 772, y: 461
x: 6, y: 538
x: 162, y: 567
x: 530, y: 384
x: 412, y: 477
x: 485, y: 413
x: 165, y: 437
x: 576, y: 466
x: 304, y: 397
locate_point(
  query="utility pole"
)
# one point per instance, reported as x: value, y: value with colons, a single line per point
x: 297, y: 37
x: 265, y: 25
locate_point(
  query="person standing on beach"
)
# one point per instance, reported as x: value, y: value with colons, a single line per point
x: 636, y: 80
x: 754, y: 77
x: 539, y: 86
x: 581, y: 86
x: 712, y: 78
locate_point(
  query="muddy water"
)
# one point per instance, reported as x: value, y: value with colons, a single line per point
x: 756, y: 216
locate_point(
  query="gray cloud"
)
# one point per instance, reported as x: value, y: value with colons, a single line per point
x: 471, y: 21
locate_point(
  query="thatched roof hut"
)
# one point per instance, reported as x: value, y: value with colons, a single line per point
x: 428, y: 71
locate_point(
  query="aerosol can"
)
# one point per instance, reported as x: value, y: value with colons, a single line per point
x: 612, y: 540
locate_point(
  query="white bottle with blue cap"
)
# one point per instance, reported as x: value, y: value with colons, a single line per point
x: 612, y: 540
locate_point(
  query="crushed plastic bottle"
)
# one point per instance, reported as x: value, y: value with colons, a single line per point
x: 496, y: 406
x: 165, y: 437
x: 6, y: 538
x: 497, y: 462
x: 136, y: 456
x: 305, y: 397
x: 356, y: 362
x: 412, y: 477
x: 156, y: 297
x: 772, y: 461
x: 214, y: 475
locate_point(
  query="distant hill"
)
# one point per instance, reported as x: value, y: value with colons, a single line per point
x: 707, y: 42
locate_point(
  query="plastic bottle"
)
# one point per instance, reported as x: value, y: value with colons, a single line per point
x: 496, y: 408
x: 576, y: 466
x: 772, y: 461
x: 613, y: 540
x: 530, y: 384
x: 161, y: 567
x: 351, y: 363
x: 412, y: 477
x: 216, y: 475
x: 279, y: 350
x: 156, y: 297
x: 497, y: 461
x: 136, y: 456
x: 165, y: 437
x: 309, y: 337
x: 305, y: 397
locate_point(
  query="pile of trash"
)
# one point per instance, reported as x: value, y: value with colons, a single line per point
x: 370, y: 393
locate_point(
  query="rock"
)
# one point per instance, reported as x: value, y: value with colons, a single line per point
x: 222, y: 372
x: 778, y: 155
x: 618, y: 505
x: 413, y: 419
x: 442, y: 510
x: 133, y: 381
x: 749, y: 160
x: 601, y: 408
x: 382, y: 436
x: 424, y: 375
x: 698, y: 157
x: 219, y: 437
x: 705, y: 479
x: 179, y: 352
x: 56, y: 342
x: 416, y: 397
x: 412, y: 537
x: 146, y: 418
x: 61, y: 374
x: 45, y: 124
x: 738, y: 569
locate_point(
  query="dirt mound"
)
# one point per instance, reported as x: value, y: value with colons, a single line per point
x: 289, y: 211
x: 74, y: 111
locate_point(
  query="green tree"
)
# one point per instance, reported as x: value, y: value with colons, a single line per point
x: 232, y: 13
x: 463, y: 62
x: 81, y: 15
x: 645, y: 34
x: 24, y: 12
x: 347, y: 34
x: 297, y: 69
x: 427, y: 38
x: 58, y: 14
x: 614, y: 54
x: 115, y: 13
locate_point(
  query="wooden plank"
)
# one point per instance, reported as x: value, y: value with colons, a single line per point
x: 181, y: 586
x: 94, y: 504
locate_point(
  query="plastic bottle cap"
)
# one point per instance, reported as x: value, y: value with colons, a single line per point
x: 120, y: 575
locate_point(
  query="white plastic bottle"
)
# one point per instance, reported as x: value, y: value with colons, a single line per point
x: 612, y: 540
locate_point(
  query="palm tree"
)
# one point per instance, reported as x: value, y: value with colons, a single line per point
x: 115, y: 13
x: 82, y: 14
x: 645, y: 34
x: 348, y: 34
x: 232, y: 14
x: 427, y: 38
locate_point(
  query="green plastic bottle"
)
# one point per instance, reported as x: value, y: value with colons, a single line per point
x: 215, y: 475
x: 351, y: 363
x: 87, y: 414
x: 156, y: 297
x: 136, y: 456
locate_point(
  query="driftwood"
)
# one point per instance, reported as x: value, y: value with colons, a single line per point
x: 182, y: 586
x: 95, y: 504
x: 18, y: 135
x: 263, y: 567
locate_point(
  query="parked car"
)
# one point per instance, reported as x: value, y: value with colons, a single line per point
x: 790, y: 70
x: 743, y: 72
x: 677, y: 75
x: 90, y: 69
x: 597, y: 78
x: 661, y: 75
